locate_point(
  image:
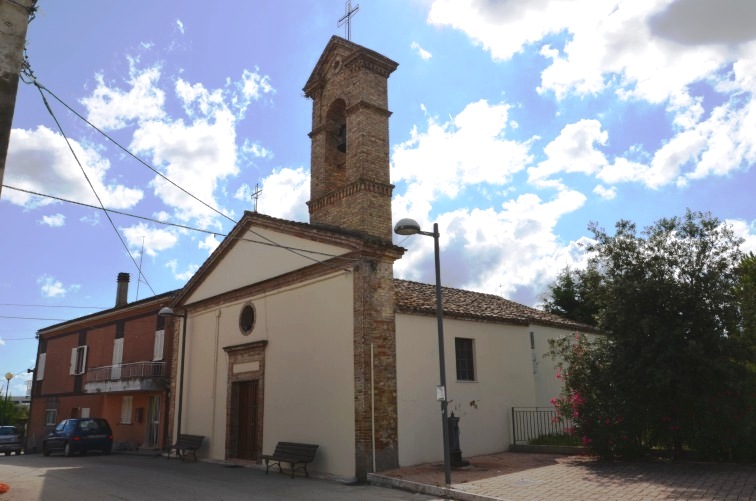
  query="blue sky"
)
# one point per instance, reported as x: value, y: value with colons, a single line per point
x: 515, y: 124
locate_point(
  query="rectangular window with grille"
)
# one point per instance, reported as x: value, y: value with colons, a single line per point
x: 463, y: 348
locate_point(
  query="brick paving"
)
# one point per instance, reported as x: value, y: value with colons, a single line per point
x: 529, y: 476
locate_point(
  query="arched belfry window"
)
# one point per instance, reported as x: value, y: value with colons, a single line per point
x: 336, y: 136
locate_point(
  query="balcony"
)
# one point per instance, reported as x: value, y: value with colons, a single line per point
x: 138, y: 376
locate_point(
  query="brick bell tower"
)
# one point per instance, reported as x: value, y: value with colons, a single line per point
x: 350, y: 188
x: 349, y: 175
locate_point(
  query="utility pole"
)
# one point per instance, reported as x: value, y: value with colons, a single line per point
x: 14, y: 19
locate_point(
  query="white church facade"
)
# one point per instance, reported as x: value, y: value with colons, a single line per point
x: 300, y: 332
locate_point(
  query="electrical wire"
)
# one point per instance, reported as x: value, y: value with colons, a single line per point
x: 166, y: 223
x: 56, y: 306
x: 35, y: 318
x: 70, y: 147
x: 29, y: 74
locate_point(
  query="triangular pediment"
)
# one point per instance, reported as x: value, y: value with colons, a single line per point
x: 260, y: 248
x: 340, y: 52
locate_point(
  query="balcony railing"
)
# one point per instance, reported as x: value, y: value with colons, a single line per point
x: 126, y: 371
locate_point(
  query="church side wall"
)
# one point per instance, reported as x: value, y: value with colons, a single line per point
x: 503, y: 379
x: 308, y: 380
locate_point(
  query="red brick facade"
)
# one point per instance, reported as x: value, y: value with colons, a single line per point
x: 99, y: 389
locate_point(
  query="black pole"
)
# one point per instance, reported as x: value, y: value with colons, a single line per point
x: 441, y: 358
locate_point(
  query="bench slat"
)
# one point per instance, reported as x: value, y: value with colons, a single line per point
x: 185, y: 445
x: 292, y: 453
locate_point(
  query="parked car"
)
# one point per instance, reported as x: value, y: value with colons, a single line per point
x: 10, y: 440
x: 79, y: 435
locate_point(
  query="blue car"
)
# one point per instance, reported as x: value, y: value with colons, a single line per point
x: 79, y: 435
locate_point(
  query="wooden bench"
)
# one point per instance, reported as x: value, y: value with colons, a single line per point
x: 185, y: 445
x: 292, y: 453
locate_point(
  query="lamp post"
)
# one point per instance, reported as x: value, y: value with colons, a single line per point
x: 168, y: 312
x: 411, y: 227
x: 8, y: 377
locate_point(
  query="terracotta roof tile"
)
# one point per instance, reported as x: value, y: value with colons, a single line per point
x: 415, y: 297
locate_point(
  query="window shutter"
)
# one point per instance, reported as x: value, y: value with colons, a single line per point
x: 157, y: 353
x: 74, y: 353
x: 115, y: 371
x: 41, y: 366
x: 84, y: 360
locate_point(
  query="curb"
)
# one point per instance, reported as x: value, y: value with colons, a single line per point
x: 433, y: 490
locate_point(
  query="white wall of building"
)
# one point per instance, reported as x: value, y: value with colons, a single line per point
x: 503, y: 379
x: 309, y: 370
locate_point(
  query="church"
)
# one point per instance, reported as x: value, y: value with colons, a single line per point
x: 299, y: 332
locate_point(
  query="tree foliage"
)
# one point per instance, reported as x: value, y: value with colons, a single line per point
x: 571, y: 295
x: 673, y: 368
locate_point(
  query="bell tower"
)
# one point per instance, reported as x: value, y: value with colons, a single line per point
x: 349, y: 175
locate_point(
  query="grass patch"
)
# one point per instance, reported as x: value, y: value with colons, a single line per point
x: 556, y: 439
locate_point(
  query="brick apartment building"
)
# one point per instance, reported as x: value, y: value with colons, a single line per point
x: 114, y: 364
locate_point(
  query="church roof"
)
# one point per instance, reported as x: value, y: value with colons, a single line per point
x: 415, y: 297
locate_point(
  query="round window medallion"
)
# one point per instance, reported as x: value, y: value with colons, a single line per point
x: 247, y: 319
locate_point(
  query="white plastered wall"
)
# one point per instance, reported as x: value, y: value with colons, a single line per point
x: 504, y: 378
x: 309, y: 370
x: 546, y: 382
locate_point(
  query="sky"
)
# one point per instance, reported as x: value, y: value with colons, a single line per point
x: 515, y: 124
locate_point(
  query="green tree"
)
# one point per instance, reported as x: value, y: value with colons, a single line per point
x: 571, y: 295
x: 669, y: 371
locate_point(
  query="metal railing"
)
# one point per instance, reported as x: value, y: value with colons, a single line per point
x: 533, y: 422
x: 126, y: 371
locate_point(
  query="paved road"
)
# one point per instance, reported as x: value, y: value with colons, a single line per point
x: 126, y: 477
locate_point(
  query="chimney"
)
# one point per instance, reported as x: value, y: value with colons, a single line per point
x: 122, y: 294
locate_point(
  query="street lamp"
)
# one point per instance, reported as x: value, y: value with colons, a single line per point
x: 411, y: 227
x: 8, y: 377
x: 168, y: 312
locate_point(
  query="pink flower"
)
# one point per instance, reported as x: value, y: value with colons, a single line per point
x: 586, y: 440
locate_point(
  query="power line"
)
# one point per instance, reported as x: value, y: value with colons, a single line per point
x: 60, y: 128
x: 56, y: 306
x: 27, y: 71
x: 35, y: 318
x: 182, y: 226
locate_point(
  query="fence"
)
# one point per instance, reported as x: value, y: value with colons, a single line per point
x: 126, y: 371
x: 532, y: 422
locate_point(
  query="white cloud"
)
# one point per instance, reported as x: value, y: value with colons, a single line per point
x: 54, y: 221
x: 109, y: 107
x: 470, y: 149
x: 210, y: 243
x: 184, y: 275
x: 424, y: 54
x: 255, y: 150
x: 746, y: 231
x: 604, y: 192
x: 154, y: 239
x: 285, y: 193
x: 573, y: 151
x: 512, y: 251
x: 39, y: 160
x: 185, y: 150
x: 180, y: 26
x: 93, y: 219
x: 51, y: 287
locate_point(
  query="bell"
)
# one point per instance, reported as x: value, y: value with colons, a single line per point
x: 341, y: 141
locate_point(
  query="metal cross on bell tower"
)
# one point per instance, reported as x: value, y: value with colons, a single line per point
x: 347, y: 18
x: 255, y: 195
